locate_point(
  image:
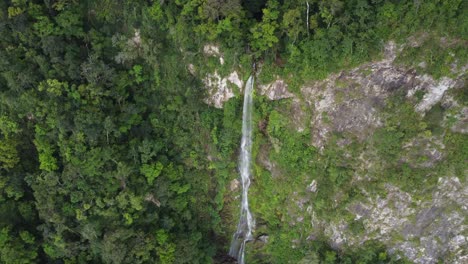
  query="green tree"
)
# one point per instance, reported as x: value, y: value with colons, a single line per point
x: 264, y: 34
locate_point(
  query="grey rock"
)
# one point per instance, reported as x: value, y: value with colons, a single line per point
x: 276, y: 90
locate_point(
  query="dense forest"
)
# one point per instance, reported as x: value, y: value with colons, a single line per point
x: 108, y: 153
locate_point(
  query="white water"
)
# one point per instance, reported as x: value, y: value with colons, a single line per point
x: 246, y: 222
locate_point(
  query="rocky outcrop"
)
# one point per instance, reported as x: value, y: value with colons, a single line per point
x: 434, y: 91
x: 461, y: 123
x: 219, y: 88
x: 425, y: 224
x: 275, y: 90
x: 457, y: 119
x: 423, y: 152
x: 350, y: 101
x: 429, y: 230
x: 213, y: 50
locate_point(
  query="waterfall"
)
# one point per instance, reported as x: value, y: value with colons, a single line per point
x: 308, y: 27
x: 246, y: 222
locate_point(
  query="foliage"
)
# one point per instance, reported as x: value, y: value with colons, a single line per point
x: 108, y: 154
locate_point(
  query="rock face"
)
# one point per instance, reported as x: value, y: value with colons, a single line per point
x: 219, y: 88
x: 461, y: 125
x: 350, y: 100
x: 434, y: 91
x: 211, y: 49
x: 425, y: 225
x: 423, y: 152
x: 276, y: 90
x: 426, y: 228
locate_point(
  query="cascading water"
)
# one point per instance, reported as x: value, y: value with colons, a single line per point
x: 246, y: 222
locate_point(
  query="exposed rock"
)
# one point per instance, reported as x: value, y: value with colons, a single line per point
x: 312, y: 186
x: 260, y: 241
x: 352, y: 108
x: 390, y: 51
x: 351, y: 100
x: 264, y: 161
x: 434, y: 91
x: 211, y: 50
x: 298, y: 116
x: 136, y: 38
x: 218, y: 89
x: 150, y: 198
x: 425, y: 225
x: 234, y: 185
x: 423, y: 152
x: 360, y: 210
x: 336, y: 233
x: 415, y: 41
x: 276, y: 90
x: 263, y: 238
x: 191, y: 69
x: 457, y: 117
x: 429, y: 230
x: 389, y: 213
x: 234, y: 78
x: 461, y: 126
x: 454, y: 190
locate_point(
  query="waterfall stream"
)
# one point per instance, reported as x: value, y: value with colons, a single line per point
x: 246, y: 222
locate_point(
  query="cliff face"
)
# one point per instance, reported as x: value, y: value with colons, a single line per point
x: 352, y: 100
x: 351, y: 103
x: 424, y: 222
